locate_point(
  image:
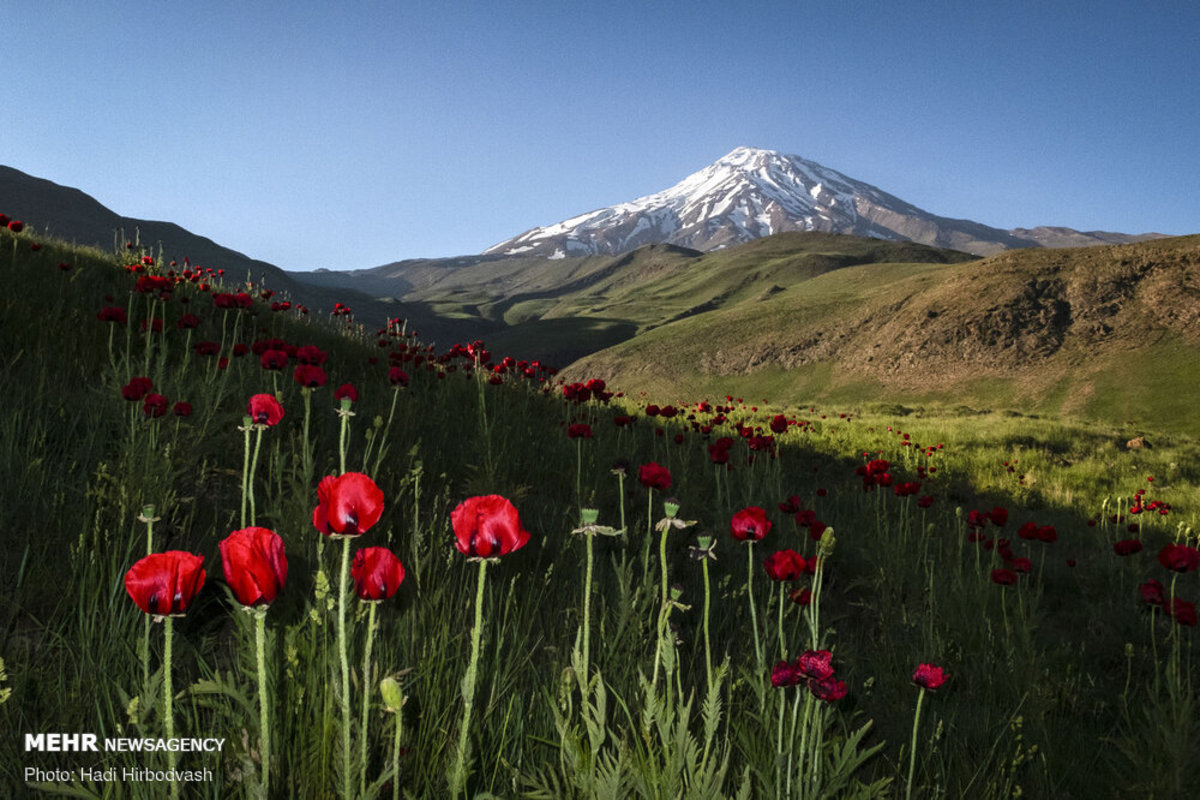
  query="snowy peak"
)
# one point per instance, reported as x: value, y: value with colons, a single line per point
x: 747, y: 194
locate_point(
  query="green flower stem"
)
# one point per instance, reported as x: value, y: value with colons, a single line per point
x: 253, y: 469
x: 808, y: 706
x: 343, y: 435
x: 758, y: 650
x: 579, y: 469
x: 245, y: 468
x: 168, y: 691
x: 346, y: 774
x: 148, y: 516
x: 587, y: 608
x: 663, y: 623
x: 308, y: 453
x: 783, y: 651
x: 912, y: 755
x: 621, y: 497
x: 396, y: 757
x: 707, y: 641
x: 787, y: 790
x: 649, y: 535
x: 264, y: 728
x: 362, y: 750
x: 779, y: 746
x: 458, y: 778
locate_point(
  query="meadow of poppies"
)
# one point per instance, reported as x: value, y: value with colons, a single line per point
x: 378, y: 567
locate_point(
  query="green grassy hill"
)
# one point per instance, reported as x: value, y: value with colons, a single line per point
x: 1102, y: 332
x: 898, y: 539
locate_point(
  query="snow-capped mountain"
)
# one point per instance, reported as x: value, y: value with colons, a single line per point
x: 752, y: 193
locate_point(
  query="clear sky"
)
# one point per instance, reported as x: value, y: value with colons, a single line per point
x: 352, y: 134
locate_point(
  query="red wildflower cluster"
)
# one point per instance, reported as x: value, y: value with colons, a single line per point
x: 874, y: 473
x: 718, y: 452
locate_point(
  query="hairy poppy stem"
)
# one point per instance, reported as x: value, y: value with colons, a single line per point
x: 346, y: 773
x: 168, y: 692
x: 253, y: 469
x: 758, y: 650
x: 791, y: 745
x: 707, y: 640
x: 458, y: 778
x: 587, y: 608
x: 366, y: 698
x: 308, y: 455
x: 912, y: 755
x: 396, y: 757
x: 264, y: 728
x: 245, y: 468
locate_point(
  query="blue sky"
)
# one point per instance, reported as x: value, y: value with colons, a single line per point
x: 353, y: 134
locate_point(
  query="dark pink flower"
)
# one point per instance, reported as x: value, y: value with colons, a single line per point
x: 929, y: 677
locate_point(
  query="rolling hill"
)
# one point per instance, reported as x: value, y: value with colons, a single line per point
x: 1103, y: 332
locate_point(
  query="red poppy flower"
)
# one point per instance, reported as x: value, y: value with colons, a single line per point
x: 784, y: 674
x: 16, y: 226
x: 1047, y: 534
x: 255, y: 565
x: 925, y: 501
x: 652, y: 476
x: 1179, y: 557
x: 487, y: 527
x: 136, y: 389
x: 113, y: 314
x: 801, y: 597
x: 164, y: 584
x: 827, y: 690
x: 182, y: 409
x: 1183, y: 612
x: 346, y: 390
x: 579, y: 430
x: 929, y: 677
x: 155, y: 405
x: 188, y: 321
x: 815, y: 664
x: 1022, y: 565
x: 377, y: 573
x: 264, y: 409
x: 718, y: 453
x: 309, y: 376
x: 398, y: 377
x: 1004, y: 577
x: 750, y: 524
x: 273, y: 359
x: 784, y: 565
x: 348, y: 505
x: 998, y: 516
x: 1153, y: 593
x: 1127, y: 547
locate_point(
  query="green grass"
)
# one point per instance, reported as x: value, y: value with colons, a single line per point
x: 1061, y: 686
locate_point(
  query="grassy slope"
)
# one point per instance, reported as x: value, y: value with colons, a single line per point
x: 70, y: 633
x: 1105, y: 333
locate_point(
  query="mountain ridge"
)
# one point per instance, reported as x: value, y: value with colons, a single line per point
x: 752, y: 192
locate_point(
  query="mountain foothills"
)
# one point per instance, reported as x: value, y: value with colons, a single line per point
x: 1101, y: 332
x: 751, y: 193
x: 78, y: 218
x: 745, y: 278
